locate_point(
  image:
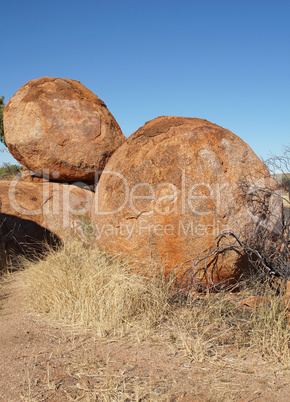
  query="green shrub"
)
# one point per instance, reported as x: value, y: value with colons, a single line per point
x: 7, y: 170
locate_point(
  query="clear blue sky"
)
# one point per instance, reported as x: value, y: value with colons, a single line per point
x: 223, y: 60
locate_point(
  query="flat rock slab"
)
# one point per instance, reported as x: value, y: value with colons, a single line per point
x: 33, y: 214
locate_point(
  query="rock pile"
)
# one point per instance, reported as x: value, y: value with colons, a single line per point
x: 59, y: 131
x: 166, y: 193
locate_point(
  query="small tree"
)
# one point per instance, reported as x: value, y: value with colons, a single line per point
x: 8, y: 171
x: 2, y: 139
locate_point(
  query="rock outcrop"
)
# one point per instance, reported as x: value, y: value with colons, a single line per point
x: 29, y: 208
x: 60, y: 129
x: 171, y: 189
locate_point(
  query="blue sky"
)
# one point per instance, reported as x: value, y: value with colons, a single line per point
x: 223, y: 60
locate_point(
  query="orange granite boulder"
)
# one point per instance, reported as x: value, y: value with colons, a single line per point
x: 60, y: 129
x: 171, y: 189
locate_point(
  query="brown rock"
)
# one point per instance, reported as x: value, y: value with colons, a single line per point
x: 171, y: 189
x: 35, y: 212
x: 253, y: 302
x: 29, y: 176
x: 60, y: 129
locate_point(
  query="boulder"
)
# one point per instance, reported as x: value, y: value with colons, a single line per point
x: 60, y: 129
x: 174, y: 186
x: 37, y: 211
x: 29, y: 176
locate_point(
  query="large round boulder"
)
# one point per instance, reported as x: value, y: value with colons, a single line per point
x: 171, y: 190
x: 60, y: 129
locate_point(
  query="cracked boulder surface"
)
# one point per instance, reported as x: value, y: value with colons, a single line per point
x: 171, y: 189
x: 60, y: 129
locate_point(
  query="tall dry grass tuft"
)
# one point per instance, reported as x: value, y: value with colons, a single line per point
x: 207, y: 327
x: 83, y: 287
x: 270, y: 328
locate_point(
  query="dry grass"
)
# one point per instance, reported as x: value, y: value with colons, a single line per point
x: 270, y: 329
x: 81, y: 286
x: 130, y: 317
x: 210, y: 327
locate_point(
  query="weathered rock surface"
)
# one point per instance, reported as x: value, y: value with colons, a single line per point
x: 171, y: 189
x: 60, y: 126
x: 37, y: 212
x: 29, y: 176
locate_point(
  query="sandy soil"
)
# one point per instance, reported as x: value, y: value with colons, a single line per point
x: 45, y: 362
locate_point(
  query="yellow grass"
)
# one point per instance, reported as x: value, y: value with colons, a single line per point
x: 81, y: 286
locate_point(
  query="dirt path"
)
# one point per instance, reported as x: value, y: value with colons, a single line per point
x: 16, y: 332
x: 21, y: 341
x: 41, y: 362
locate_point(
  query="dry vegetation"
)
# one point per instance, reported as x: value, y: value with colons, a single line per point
x: 104, y: 298
x: 81, y: 286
